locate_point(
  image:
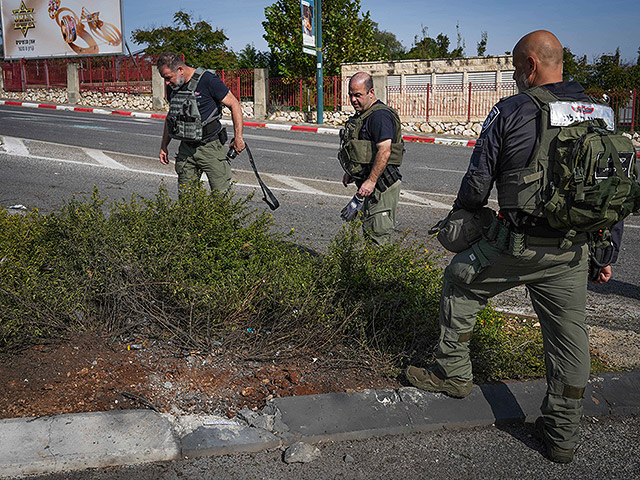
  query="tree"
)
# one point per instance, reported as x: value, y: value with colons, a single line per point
x: 481, y: 47
x: 347, y: 36
x: 251, y: 57
x: 606, y: 72
x: 391, y: 46
x: 200, y: 44
x: 427, y: 47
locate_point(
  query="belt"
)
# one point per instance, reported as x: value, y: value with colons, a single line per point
x: 515, y: 242
x: 578, y: 239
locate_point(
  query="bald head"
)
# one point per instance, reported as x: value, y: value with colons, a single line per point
x: 363, y: 78
x: 361, y: 94
x: 538, y: 59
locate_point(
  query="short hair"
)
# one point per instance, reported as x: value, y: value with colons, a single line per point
x: 170, y: 60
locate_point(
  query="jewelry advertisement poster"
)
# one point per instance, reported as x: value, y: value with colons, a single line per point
x: 61, y: 28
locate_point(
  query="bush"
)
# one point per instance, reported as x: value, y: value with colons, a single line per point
x: 207, y: 270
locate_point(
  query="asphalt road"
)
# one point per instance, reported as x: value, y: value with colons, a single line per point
x: 610, y: 449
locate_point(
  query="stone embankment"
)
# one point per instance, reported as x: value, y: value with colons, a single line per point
x: 466, y: 129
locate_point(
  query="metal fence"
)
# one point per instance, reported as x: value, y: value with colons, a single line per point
x: 447, y: 102
x: 240, y: 82
x: 105, y: 74
x: 625, y: 104
x: 19, y: 76
x: 301, y: 93
x: 116, y: 74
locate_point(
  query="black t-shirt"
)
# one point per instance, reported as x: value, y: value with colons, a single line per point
x: 379, y: 126
x: 209, y: 94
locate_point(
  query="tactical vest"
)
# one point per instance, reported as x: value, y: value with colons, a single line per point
x: 355, y: 155
x: 582, y: 175
x: 184, y: 121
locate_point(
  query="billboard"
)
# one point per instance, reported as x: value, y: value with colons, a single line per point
x: 308, y: 27
x: 61, y: 28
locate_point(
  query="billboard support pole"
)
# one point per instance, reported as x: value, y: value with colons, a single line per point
x: 319, y: 80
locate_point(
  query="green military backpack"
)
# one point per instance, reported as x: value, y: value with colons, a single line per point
x: 586, y: 172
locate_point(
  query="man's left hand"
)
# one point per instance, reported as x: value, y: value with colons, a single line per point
x: 237, y: 144
x: 367, y: 188
x: 605, y: 275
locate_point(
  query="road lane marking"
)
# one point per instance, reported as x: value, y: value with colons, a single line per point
x: 278, y: 151
x: 104, y: 159
x: 424, y: 201
x: 299, y: 186
x: 15, y: 146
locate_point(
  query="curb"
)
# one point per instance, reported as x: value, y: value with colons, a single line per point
x: 273, y: 126
x: 96, y: 440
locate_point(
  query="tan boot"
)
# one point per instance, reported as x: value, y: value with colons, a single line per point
x: 426, y: 379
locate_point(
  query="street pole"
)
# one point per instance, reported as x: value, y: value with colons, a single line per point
x: 320, y: 104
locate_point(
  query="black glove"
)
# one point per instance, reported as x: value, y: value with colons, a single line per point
x: 350, y: 212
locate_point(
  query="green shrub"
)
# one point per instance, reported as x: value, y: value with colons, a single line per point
x: 207, y: 270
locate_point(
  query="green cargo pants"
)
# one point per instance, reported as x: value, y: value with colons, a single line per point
x: 379, y: 214
x: 557, y: 283
x: 209, y: 158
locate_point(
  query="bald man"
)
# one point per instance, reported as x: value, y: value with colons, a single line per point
x: 370, y: 153
x: 520, y: 249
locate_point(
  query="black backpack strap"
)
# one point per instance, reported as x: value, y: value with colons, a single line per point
x: 541, y: 96
x: 195, y: 78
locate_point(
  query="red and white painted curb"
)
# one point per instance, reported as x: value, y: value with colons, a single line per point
x: 272, y: 126
x: 69, y: 108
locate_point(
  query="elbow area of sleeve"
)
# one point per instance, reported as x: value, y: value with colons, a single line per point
x: 474, y: 191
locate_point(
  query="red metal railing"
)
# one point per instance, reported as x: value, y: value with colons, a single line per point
x: 240, y: 82
x: 21, y: 75
x: 447, y: 102
x: 301, y: 93
x: 116, y: 74
x: 625, y: 105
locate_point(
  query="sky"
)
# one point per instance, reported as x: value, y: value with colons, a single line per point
x: 587, y: 27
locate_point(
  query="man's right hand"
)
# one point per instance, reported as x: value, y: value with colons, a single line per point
x: 164, y: 156
x: 346, y: 179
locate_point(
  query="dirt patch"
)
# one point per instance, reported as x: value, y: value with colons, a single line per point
x: 88, y: 373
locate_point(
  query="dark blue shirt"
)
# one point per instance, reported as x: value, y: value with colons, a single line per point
x: 379, y: 126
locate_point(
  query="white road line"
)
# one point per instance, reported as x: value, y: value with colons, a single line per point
x: 278, y: 151
x: 104, y: 159
x: 442, y: 170
x: 15, y: 146
x: 299, y: 186
x: 424, y: 201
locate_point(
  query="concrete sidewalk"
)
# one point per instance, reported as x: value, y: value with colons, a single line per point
x: 94, y: 440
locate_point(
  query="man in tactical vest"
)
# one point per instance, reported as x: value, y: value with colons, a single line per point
x: 523, y: 250
x: 370, y: 153
x: 196, y: 99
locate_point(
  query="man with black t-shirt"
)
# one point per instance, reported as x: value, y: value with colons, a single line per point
x: 206, y: 153
x: 371, y: 153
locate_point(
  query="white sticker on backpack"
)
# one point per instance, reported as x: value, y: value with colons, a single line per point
x: 564, y: 114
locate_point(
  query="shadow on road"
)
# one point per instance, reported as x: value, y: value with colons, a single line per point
x: 616, y: 287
